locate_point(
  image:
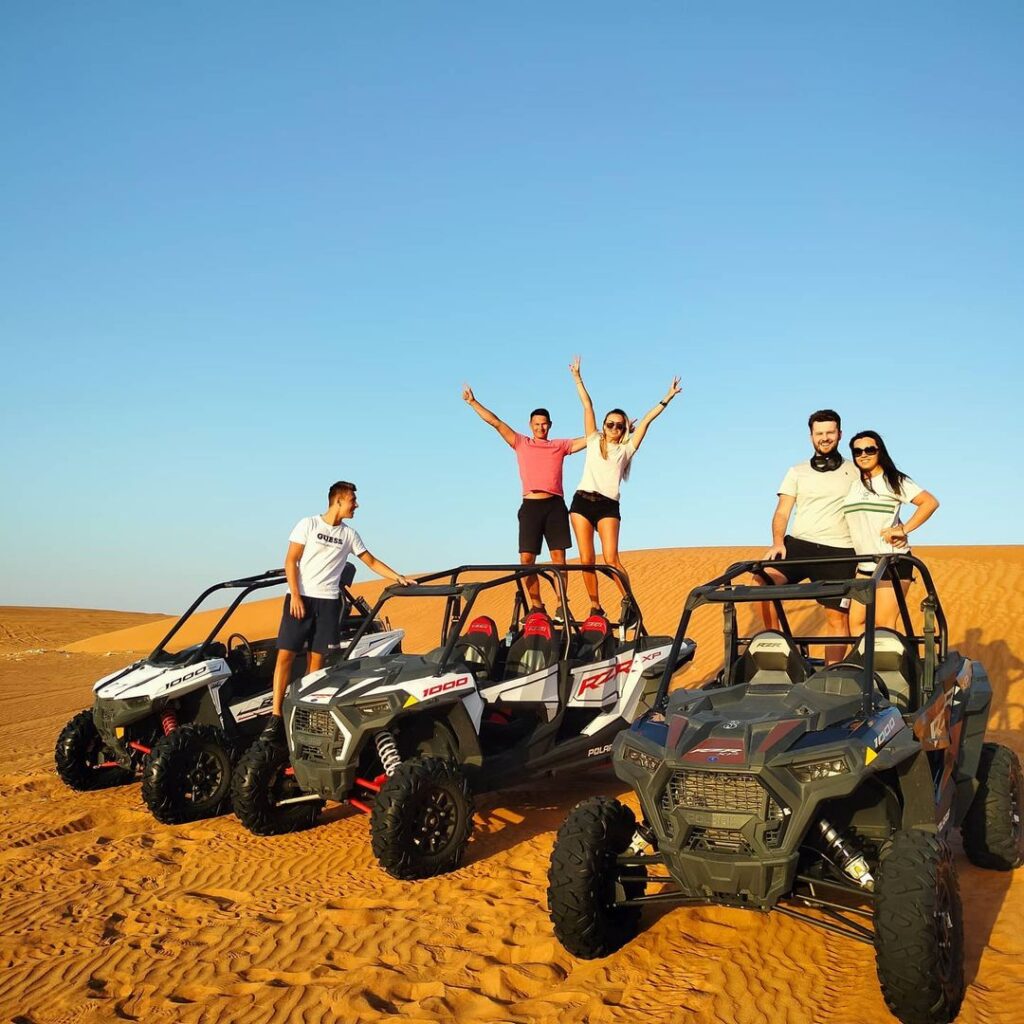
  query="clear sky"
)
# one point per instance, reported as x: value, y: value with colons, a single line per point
x: 248, y: 249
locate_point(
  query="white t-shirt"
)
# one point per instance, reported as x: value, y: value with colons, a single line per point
x: 326, y: 551
x: 605, y: 475
x: 869, y: 512
x: 819, y: 502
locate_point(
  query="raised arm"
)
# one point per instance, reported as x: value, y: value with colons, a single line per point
x: 507, y: 433
x: 641, y: 428
x: 589, y: 420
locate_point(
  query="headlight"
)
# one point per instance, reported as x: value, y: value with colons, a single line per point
x: 377, y: 707
x: 810, y: 771
x: 648, y: 762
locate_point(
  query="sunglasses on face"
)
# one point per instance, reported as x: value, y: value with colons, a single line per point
x: 614, y: 425
x: 871, y: 449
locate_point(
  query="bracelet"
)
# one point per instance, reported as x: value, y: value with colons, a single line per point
x: 663, y: 404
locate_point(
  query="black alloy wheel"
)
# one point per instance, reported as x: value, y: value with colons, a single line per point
x: 422, y: 818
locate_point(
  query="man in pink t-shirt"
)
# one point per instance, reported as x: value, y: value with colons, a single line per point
x: 542, y: 515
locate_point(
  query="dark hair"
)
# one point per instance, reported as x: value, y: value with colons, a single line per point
x: 541, y: 412
x: 824, y: 416
x: 622, y: 438
x: 341, y: 487
x: 893, y: 477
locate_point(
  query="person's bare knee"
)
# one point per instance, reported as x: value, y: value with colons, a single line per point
x: 315, y: 662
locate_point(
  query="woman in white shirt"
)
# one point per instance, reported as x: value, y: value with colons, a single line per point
x: 872, y: 511
x: 595, y: 505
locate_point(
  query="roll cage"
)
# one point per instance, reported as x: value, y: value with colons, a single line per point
x: 246, y: 585
x: 461, y: 596
x: 726, y: 591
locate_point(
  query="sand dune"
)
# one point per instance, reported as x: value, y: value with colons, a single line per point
x: 108, y: 915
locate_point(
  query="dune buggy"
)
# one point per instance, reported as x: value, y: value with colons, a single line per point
x: 407, y: 738
x: 182, y: 717
x: 825, y: 792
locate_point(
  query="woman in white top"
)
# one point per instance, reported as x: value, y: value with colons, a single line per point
x: 595, y: 505
x: 872, y: 512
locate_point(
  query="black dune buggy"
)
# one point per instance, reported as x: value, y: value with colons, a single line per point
x: 827, y: 793
x: 407, y: 738
x: 182, y: 717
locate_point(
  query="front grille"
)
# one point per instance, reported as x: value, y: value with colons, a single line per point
x: 719, y: 840
x: 721, y: 793
x: 318, y: 722
x: 308, y: 753
x: 716, y: 791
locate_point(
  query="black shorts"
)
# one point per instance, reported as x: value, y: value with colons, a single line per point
x: 544, y: 519
x: 594, y: 507
x: 904, y: 571
x: 320, y: 627
x: 819, y: 572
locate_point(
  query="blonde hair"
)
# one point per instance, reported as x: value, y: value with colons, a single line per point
x: 625, y: 437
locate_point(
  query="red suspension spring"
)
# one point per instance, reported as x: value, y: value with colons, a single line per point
x: 169, y: 720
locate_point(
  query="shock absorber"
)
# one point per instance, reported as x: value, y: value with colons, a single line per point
x: 387, y: 751
x: 847, y: 856
x: 169, y: 720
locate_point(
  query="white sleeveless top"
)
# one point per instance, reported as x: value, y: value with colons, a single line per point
x: 605, y: 475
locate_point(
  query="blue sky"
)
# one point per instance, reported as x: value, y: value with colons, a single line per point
x: 248, y: 249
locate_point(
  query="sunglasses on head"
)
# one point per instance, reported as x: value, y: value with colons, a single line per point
x: 871, y: 449
x: 614, y: 425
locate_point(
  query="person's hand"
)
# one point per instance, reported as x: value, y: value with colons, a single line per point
x: 574, y: 367
x: 894, y: 535
x: 406, y: 581
x: 467, y: 393
x: 673, y: 390
x: 298, y: 609
x: 775, y: 551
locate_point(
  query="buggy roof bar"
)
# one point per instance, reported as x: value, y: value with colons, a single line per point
x: 456, y: 613
x: 722, y: 590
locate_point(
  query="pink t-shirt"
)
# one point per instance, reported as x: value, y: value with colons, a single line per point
x: 540, y: 462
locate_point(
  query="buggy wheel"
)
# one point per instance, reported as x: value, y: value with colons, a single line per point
x: 992, y: 831
x: 82, y: 759
x: 583, y: 880
x: 422, y: 819
x: 919, y: 930
x: 188, y: 774
x: 258, y: 787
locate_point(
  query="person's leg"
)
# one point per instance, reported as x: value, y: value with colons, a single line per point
x: 531, y: 537
x: 584, y: 531
x: 292, y: 636
x: 608, y: 531
x: 282, y: 673
x: 837, y: 623
x: 557, y: 533
x: 768, y: 616
x: 531, y: 583
x: 315, y: 662
x: 887, y: 611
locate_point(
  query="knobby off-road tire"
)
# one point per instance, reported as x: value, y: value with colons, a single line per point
x: 80, y: 752
x: 422, y: 819
x: 919, y: 930
x: 188, y: 774
x: 259, y: 783
x: 992, y: 831
x: 583, y: 880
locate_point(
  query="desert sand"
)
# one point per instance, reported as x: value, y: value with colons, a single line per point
x: 107, y: 915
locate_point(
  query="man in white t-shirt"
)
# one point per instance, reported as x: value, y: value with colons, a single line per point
x: 817, y: 490
x: 318, y: 549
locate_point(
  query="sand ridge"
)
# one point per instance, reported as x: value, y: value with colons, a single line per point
x: 109, y: 915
